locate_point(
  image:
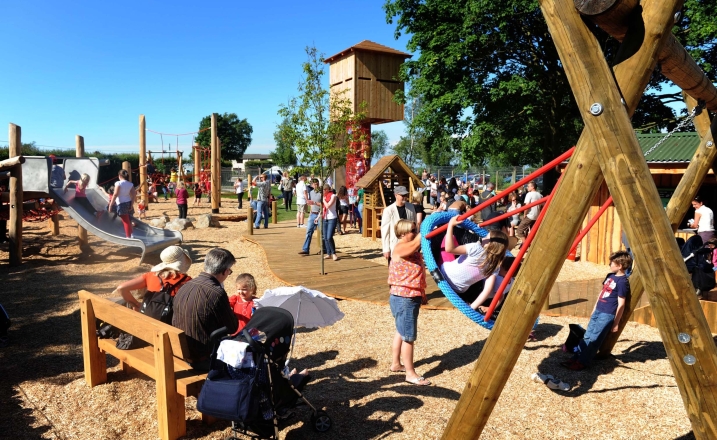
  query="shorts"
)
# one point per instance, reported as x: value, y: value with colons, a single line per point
x: 301, y: 208
x: 405, y: 312
x: 125, y: 208
x: 514, y: 222
x: 343, y: 209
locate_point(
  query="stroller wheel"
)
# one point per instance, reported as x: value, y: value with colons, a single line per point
x: 321, y: 421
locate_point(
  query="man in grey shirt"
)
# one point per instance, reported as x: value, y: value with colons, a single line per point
x: 314, y: 202
x: 262, y: 201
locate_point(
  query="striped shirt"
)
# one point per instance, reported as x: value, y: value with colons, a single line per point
x: 201, y: 306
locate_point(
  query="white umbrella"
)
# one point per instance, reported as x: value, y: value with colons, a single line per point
x: 310, y: 308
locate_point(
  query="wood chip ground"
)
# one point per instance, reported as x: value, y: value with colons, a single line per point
x: 43, y: 393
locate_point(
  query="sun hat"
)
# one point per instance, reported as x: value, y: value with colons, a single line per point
x: 400, y: 190
x: 174, y: 257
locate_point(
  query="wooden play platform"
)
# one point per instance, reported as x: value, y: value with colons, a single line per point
x: 348, y: 278
x: 360, y: 279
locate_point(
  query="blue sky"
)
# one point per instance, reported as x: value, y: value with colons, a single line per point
x: 91, y: 68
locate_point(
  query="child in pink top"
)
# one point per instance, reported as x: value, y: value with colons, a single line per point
x: 407, y: 277
x: 243, y: 302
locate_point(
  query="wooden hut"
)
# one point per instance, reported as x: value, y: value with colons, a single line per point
x: 378, y: 184
x: 667, y: 165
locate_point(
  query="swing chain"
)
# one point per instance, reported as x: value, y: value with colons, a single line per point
x: 695, y: 111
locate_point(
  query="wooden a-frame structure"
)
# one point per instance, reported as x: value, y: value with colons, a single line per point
x: 608, y: 147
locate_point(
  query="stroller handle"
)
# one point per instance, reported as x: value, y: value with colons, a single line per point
x: 216, y: 334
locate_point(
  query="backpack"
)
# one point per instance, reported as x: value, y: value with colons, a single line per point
x: 4, y: 326
x: 157, y: 305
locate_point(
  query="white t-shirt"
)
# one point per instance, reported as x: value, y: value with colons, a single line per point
x: 301, y: 193
x: 706, y: 219
x: 125, y: 189
x: 464, y: 271
x: 331, y: 210
x: 533, y: 196
x: 239, y: 187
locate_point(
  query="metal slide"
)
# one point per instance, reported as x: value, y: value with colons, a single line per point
x: 109, y: 226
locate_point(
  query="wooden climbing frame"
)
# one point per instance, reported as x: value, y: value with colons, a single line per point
x: 659, y: 268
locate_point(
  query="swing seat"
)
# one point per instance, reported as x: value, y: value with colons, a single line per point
x: 431, y: 249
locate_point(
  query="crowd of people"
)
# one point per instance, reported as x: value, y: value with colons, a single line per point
x: 473, y: 268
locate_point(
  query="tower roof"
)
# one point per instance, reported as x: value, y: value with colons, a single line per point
x: 368, y: 46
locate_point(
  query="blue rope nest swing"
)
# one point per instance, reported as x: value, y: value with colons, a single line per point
x: 432, y: 222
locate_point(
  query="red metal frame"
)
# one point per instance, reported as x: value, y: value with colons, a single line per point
x: 592, y: 222
x: 521, y: 254
x: 540, y: 171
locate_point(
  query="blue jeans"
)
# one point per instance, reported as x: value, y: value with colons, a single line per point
x: 598, y: 328
x: 262, y: 210
x: 310, y: 231
x: 405, y: 312
x: 360, y: 217
x: 329, y: 229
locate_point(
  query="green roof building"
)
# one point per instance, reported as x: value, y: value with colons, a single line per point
x: 667, y: 164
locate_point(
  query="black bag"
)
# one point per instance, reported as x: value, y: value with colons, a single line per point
x: 157, y: 305
x: 4, y: 322
x: 574, y: 337
x: 229, y: 398
x: 703, y: 279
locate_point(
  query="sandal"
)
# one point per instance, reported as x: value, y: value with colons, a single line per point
x: 420, y: 381
x: 402, y: 369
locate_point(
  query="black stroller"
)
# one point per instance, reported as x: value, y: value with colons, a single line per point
x: 256, y: 396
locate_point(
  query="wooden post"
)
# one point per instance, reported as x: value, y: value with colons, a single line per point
x: 197, y: 163
x: 170, y: 404
x: 80, y: 152
x: 143, y: 187
x: 250, y: 220
x: 677, y: 207
x: 127, y: 167
x: 16, y: 196
x: 701, y: 121
x: 95, y: 360
x: 214, y: 155
x: 569, y: 207
x: 273, y: 213
x: 218, y: 181
x: 666, y: 280
x: 675, y: 62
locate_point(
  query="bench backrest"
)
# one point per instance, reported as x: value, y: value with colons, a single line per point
x: 135, y: 323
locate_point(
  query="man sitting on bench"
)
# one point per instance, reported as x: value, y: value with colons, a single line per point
x: 201, y: 306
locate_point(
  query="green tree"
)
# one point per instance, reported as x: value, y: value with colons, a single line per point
x: 284, y: 153
x: 379, y: 144
x: 318, y: 119
x: 490, y: 78
x: 234, y: 134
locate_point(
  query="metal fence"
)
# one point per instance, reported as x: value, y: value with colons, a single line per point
x: 501, y: 177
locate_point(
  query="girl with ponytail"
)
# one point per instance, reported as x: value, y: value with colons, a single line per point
x: 475, y: 262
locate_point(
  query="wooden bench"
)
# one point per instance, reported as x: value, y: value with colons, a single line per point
x: 162, y: 360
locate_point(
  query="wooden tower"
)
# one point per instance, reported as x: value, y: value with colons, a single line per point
x: 366, y: 72
x: 608, y: 150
